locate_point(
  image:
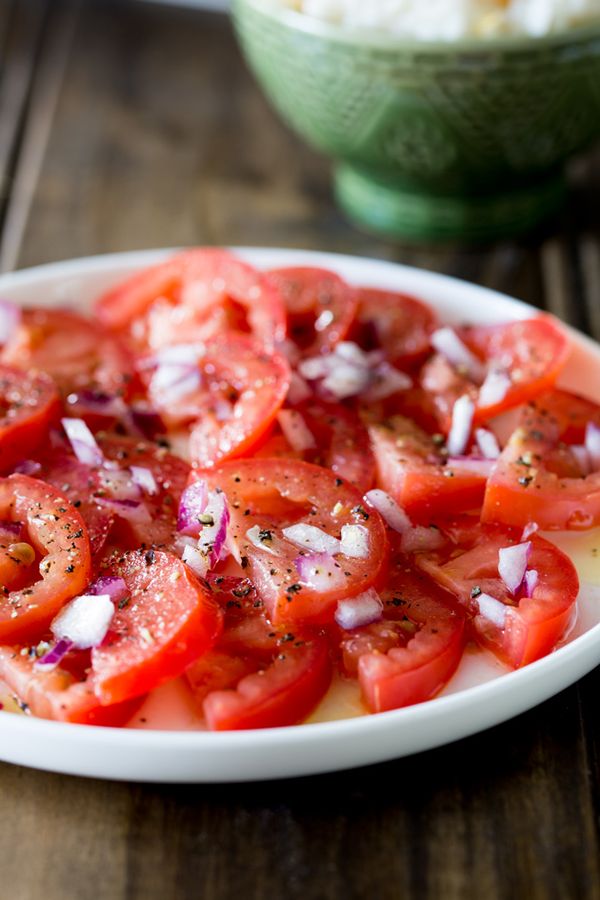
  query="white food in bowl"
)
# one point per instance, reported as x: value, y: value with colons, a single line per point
x: 449, y: 20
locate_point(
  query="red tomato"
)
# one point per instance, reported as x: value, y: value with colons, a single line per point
x: 410, y: 468
x: 531, y: 626
x: 320, y: 305
x: 341, y: 442
x: 57, y: 694
x: 73, y: 350
x: 29, y: 404
x: 398, y: 324
x: 282, y: 694
x: 534, y: 480
x: 193, y: 287
x: 533, y: 352
x: 408, y: 657
x: 57, y: 532
x: 170, y: 620
x: 240, y: 391
x: 272, y: 494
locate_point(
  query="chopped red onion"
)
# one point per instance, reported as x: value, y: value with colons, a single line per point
x: 494, y: 388
x: 355, y: 541
x: 530, y: 581
x: 319, y: 571
x: 177, y: 355
x: 269, y: 542
x: 145, y: 421
x: 352, y: 353
x: 298, y: 390
x: 421, y: 538
x: 132, y: 510
x: 345, y: 380
x: 10, y: 319
x: 389, y: 510
x: 385, y: 381
x: 471, y: 465
x: 191, y: 507
x: 97, y: 402
x: 296, y: 431
x: 315, y: 367
x: 460, y: 429
x: 309, y: 537
x: 118, y: 483
x: 358, y: 611
x: 174, y: 382
x: 487, y: 443
x: 84, y: 621
x: 214, y: 529
x: 447, y: 342
x: 113, y: 587
x: 582, y: 458
x: 82, y: 442
x: 529, y: 529
x: 144, y: 479
x: 11, y: 527
x: 592, y: 444
x: 492, y: 610
x: 28, y: 467
x: 512, y: 564
x: 196, y: 560
x: 54, y: 656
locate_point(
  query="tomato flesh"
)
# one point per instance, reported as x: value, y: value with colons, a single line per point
x: 29, y: 405
x: 398, y: 324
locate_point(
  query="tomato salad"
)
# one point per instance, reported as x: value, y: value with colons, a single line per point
x: 256, y: 482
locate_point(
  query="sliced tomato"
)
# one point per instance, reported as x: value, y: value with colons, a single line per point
x: 196, y: 291
x: 522, y: 629
x: 169, y: 621
x: 282, y: 694
x: 75, y: 351
x: 341, y: 442
x: 29, y: 405
x: 537, y: 479
x: 57, y: 533
x: 57, y: 694
x: 532, y: 352
x: 272, y: 494
x: 411, y: 469
x: 320, y: 306
x: 396, y: 323
x: 410, y: 655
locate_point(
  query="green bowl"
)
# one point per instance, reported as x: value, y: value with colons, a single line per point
x: 431, y: 140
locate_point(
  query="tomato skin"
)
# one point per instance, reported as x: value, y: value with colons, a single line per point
x: 58, y: 531
x: 410, y: 469
x: 283, y: 694
x: 170, y: 620
x: 533, y: 625
x: 308, y: 294
x: 30, y: 406
x: 277, y: 493
x: 399, y: 324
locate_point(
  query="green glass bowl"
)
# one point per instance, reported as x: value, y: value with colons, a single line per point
x: 431, y: 140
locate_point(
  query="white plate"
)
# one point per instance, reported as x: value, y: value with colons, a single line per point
x: 471, y: 702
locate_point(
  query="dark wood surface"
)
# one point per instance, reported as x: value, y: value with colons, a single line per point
x: 127, y: 125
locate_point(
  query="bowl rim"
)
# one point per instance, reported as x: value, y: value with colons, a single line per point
x: 379, y: 39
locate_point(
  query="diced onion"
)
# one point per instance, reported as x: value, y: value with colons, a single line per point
x: 582, y: 457
x: 298, y: 390
x: 355, y: 541
x: 295, y: 430
x: 530, y: 581
x: 447, y: 342
x: 385, y: 381
x: 358, y: 611
x: 10, y: 319
x: 492, y: 610
x: 529, y: 529
x: 212, y: 537
x: 471, y: 465
x: 309, y: 537
x: 487, y: 443
x: 512, y: 564
x: 132, y: 510
x: 422, y: 538
x: 82, y: 442
x: 28, y: 467
x: 592, y: 444
x: 494, y: 388
x: 54, y: 656
x: 191, y: 507
x: 174, y: 382
x: 319, y: 571
x: 345, y: 380
x: 389, y: 510
x: 84, y: 621
x: 270, y: 544
x: 144, y: 479
x: 460, y: 429
x: 114, y: 587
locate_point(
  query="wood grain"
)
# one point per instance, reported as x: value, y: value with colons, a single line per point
x: 138, y: 126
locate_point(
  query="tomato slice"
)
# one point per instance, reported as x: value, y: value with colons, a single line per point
x: 74, y: 351
x: 191, y: 289
x: 532, y: 352
x: 523, y: 628
x: 409, y: 656
x: 56, y: 532
x: 411, y: 469
x: 341, y: 442
x: 272, y: 494
x: 398, y: 324
x: 241, y: 388
x: 170, y: 620
x: 536, y: 478
x: 282, y: 694
x: 320, y: 306
x: 57, y: 694
x: 29, y: 405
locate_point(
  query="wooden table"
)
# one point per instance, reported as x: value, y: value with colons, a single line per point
x: 127, y: 125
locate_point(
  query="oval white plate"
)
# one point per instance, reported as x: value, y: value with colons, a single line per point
x: 471, y: 702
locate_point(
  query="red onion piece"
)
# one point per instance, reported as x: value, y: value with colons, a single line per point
x: 145, y: 421
x: 422, y: 538
x: 471, y: 465
x: 530, y: 581
x: 172, y: 383
x: 191, y: 507
x: 494, y: 388
x: 82, y: 442
x: 385, y: 381
x: 212, y: 535
x: 529, y: 529
x: 460, y: 429
x: 296, y: 431
x: 309, y: 537
x: 10, y: 319
x: 355, y: 541
x: 487, y: 443
x: 492, y: 610
x: 345, y: 379
x: 144, y: 479
x: 512, y: 565
x: 389, y: 510
x: 11, y: 527
x: 299, y: 390
x: 132, y: 510
x: 54, y: 656
x: 113, y: 587
x: 447, y: 342
x: 358, y: 611
x: 118, y: 483
x: 84, y: 621
x: 582, y: 457
x: 270, y: 545
x: 319, y: 571
x: 592, y: 444
x: 28, y: 467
